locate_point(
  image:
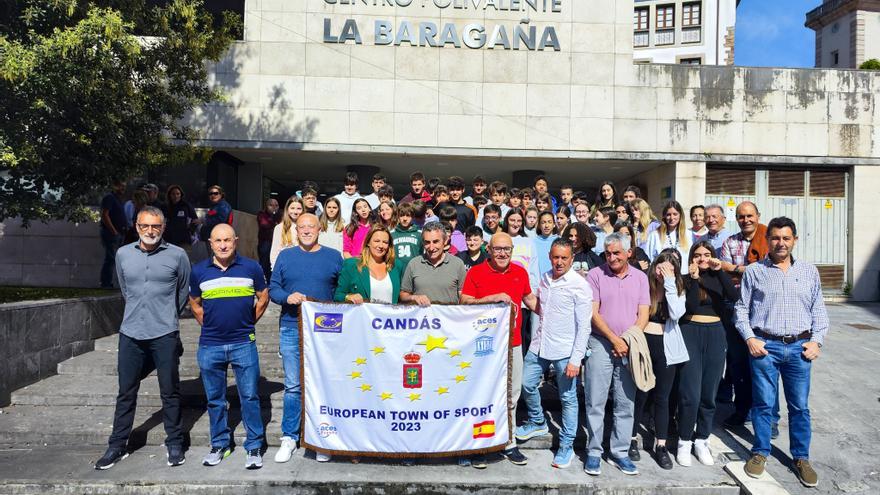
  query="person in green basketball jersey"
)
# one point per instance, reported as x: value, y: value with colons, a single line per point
x: 407, y: 237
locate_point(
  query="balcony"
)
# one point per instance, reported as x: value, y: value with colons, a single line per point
x: 664, y: 37
x: 691, y: 34
x: 641, y: 39
x: 825, y: 8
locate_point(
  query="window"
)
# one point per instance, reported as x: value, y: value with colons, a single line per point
x: 835, y: 58
x: 665, y: 16
x: 640, y: 19
x: 690, y: 14
x: 691, y: 61
x: 735, y: 182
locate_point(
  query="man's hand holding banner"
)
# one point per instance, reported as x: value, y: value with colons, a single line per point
x: 395, y: 381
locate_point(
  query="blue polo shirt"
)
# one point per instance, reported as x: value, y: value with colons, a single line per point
x: 228, y: 299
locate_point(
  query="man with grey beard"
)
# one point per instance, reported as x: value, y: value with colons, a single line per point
x: 154, y: 281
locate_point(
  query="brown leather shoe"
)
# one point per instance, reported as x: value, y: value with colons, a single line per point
x: 805, y: 473
x: 755, y: 466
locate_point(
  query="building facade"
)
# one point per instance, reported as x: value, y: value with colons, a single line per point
x: 684, y: 31
x: 847, y: 32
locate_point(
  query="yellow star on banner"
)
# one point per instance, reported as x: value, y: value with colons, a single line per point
x: 460, y: 378
x: 442, y: 390
x: 366, y: 388
x: 414, y: 397
x: 360, y: 361
x: 432, y: 343
x: 454, y: 353
x: 386, y: 395
x: 355, y: 374
x: 378, y: 350
x: 464, y: 364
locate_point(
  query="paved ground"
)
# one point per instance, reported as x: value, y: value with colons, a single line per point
x: 845, y: 404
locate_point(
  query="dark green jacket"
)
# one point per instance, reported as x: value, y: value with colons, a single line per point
x: 354, y: 281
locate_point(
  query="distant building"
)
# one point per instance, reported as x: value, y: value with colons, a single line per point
x: 847, y: 32
x: 684, y: 31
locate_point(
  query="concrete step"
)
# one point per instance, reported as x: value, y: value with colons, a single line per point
x: 105, y: 363
x: 70, y: 471
x: 27, y: 426
x: 101, y: 390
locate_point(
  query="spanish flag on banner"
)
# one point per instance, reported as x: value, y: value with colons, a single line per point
x: 486, y: 429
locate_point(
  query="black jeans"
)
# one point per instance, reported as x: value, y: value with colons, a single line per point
x: 137, y: 359
x: 111, y: 243
x: 699, y: 377
x: 738, y: 371
x: 263, y: 250
x: 659, y: 395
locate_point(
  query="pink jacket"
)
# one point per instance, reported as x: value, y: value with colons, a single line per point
x: 354, y: 245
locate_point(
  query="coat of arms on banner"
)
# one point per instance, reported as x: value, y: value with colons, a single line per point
x: 412, y: 370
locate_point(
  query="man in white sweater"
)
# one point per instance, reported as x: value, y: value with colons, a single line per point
x: 348, y: 196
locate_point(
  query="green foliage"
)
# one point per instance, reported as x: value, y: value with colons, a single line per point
x: 87, y: 99
x: 870, y: 64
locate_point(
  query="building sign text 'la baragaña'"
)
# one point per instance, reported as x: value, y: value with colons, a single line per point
x: 522, y: 36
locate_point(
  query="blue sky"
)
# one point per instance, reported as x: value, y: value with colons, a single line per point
x: 772, y: 33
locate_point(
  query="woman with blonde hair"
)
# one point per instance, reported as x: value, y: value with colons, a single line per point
x: 373, y: 276
x: 331, y: 225
x: 643, y: 220
x: 284, y: 235
x: 387, y: 213
x: 672, y: 233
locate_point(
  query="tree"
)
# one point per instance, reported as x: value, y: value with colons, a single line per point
x: 87, y: 97
x: 870, y: 64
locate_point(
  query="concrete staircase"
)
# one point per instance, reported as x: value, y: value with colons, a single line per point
x: 75, y: 407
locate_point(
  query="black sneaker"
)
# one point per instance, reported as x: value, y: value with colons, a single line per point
x: 110, y: 458
x: 633, y: 451
x: 515, y: 456
x: 774, y: 431
x: 479, y: 462
x: 662, y: 456
x: 175, y: 455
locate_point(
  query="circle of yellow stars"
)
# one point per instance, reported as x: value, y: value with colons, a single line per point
x: 431, y: 343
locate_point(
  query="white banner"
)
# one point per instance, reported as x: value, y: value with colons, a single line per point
x: 389, y: 380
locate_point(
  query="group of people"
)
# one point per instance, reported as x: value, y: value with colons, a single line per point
x: 647, y: 311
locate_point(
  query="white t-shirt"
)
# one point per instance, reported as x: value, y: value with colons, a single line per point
x: 380, y: 290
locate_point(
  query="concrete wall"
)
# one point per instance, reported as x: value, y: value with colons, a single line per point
x: 65, y: 254
x: 872, y: 34
x: 864, y: 235
x: 289, y: 89
x: 38, y: 335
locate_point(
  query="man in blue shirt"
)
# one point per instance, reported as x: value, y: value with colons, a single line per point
x: 781, y: 315
x: 715, y: 221
x: 222, y: 291
x: 113, y: 225
x: 302, y: 271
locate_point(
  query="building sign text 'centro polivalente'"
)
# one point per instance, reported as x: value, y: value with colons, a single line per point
x: 522, y: 36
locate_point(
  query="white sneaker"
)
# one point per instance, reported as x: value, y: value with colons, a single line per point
x: 704, y: 455
x: 288, y: 447
x: 322, y: 457
x: 683, y: 455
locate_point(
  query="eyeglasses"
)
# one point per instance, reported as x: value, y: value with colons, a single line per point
x: 150, y: 226
x: 214, y: 193
x: 502, y: 249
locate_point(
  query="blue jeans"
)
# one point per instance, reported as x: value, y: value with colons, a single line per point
x: 785, y: 360
x: 111, y: 243
x: 533, y: 369
x: 213, y: 362
x: 290, y: 360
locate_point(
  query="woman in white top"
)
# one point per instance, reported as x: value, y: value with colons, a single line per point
x: 331, y: 225
x: 373, y: 276
x: 643, y: 220
x: 672, y: 233
x: 284, y: 235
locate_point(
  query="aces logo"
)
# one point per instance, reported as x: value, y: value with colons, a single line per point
x: 328, y: 322
x: 484, y: 323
